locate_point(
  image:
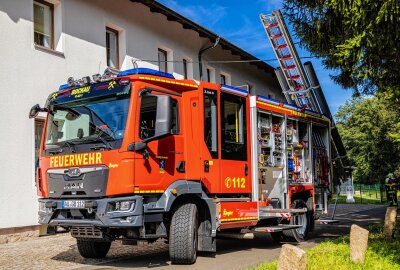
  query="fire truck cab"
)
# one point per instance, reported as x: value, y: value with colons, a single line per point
x: 139, y: 155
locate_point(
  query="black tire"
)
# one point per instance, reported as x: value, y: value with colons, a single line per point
x: 278, y: 237
x: 183, y: 235
x: 93, y: 249
x: 300, y: 234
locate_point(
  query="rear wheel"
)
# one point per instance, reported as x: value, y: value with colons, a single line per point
x: 303, y: 220
x: 183, y: 235
x: 93, y: 249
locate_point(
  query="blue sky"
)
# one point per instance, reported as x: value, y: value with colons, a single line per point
x: 238, y: 21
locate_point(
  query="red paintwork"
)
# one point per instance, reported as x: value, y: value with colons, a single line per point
x: 130, y: 173
x: 237, y: 214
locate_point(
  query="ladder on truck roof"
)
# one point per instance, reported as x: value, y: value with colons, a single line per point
x: 292, y: 68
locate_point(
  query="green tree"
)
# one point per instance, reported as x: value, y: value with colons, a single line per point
x: 357, y: 38
x: 366, y: 126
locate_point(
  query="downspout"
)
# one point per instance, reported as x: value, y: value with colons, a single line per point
x: 201, y: 53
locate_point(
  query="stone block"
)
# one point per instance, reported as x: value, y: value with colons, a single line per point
x: 358, y: 243
x: 292, y: 258
x: 390, y: 221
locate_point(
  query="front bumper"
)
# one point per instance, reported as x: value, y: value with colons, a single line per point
x: 96, y: 212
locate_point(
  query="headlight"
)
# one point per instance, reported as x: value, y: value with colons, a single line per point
x: 122, y: 206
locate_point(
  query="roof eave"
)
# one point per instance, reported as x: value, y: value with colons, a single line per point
x: 203, y: 32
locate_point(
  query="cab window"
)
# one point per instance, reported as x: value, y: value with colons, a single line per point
x: 148, y: 115
x: 233, y: 127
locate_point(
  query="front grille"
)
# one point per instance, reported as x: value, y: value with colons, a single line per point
x: 86, y: 232
x: 92, y: 183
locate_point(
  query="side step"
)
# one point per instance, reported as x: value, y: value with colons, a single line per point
x: 265, y: 212
x: 249, y: 234
x: 277, y: 228
x: 326, y: 221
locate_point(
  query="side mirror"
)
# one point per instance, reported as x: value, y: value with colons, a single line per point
x: 34, y: 111
x: 163, y: 124
x: 163, y: 121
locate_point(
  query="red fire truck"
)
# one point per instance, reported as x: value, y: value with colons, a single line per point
x: 139, y: 155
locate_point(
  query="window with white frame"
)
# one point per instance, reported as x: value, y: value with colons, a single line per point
x: 187, y: 66
x: 43, y: 23
x: 112, y: 47
x: 47, y: 26
x: 162, y: 60
x: 210, y: 74
x: 185, y: 69
x: 225, y: 78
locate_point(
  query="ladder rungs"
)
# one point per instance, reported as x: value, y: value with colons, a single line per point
x: 286, y: 57
x: 272, y: 25
x: 298, y: 87
x: 295, y: 77
x: 289, y: 67
x: 276, y: 36
x: 280, y: 47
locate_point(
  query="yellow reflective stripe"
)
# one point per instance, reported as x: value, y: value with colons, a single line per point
x: 238, y: 219
x: 300, y: 114
x: 149, y: 191
x: 167, y: 81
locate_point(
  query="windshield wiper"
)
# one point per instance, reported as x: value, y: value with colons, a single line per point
x: 106, y: 144
x: 70, y: 146
x: 59, y: 148
x: 57, y: 151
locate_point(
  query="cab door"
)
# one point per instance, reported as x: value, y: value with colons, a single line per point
x: 158, y: 165
x: 210, y: 147
x: 235, y: 144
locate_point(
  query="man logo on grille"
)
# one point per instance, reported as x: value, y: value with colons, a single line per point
x: 74, y: 172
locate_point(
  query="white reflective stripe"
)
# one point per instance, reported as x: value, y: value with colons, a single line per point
x: 267, y: 100
x: 237, y: 91
x: 82, y: 169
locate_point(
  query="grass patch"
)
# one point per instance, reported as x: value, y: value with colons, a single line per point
x: 366, y: 199
x: 382, y: 254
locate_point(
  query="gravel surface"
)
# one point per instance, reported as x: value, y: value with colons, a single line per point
x: 60, y: 252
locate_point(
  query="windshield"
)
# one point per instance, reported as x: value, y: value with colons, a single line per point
x: 72, y: 125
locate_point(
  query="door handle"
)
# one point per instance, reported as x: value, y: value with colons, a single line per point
x: 246, y: 170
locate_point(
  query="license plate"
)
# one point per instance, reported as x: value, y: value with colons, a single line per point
x: 73, y: 204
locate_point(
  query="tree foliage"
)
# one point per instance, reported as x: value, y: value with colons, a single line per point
x: 358, y: 38
x: 368, y: 127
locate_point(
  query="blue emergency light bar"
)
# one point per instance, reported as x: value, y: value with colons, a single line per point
x: 146, y: 71
x: 64, y: 86
x: 134, y: 71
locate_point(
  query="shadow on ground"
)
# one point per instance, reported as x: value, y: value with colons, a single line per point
x: 156, y: 255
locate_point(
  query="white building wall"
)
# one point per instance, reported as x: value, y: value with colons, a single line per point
x: 28, y: 75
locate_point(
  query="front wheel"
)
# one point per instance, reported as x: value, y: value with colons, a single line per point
x: 93, y: 249
x: 183, y: 235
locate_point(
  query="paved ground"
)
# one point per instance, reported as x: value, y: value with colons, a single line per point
x: 60, y: 252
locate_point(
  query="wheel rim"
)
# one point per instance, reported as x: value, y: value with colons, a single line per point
x: 302, y: 221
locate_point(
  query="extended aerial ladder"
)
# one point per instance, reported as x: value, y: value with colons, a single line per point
x: 295, y: 83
